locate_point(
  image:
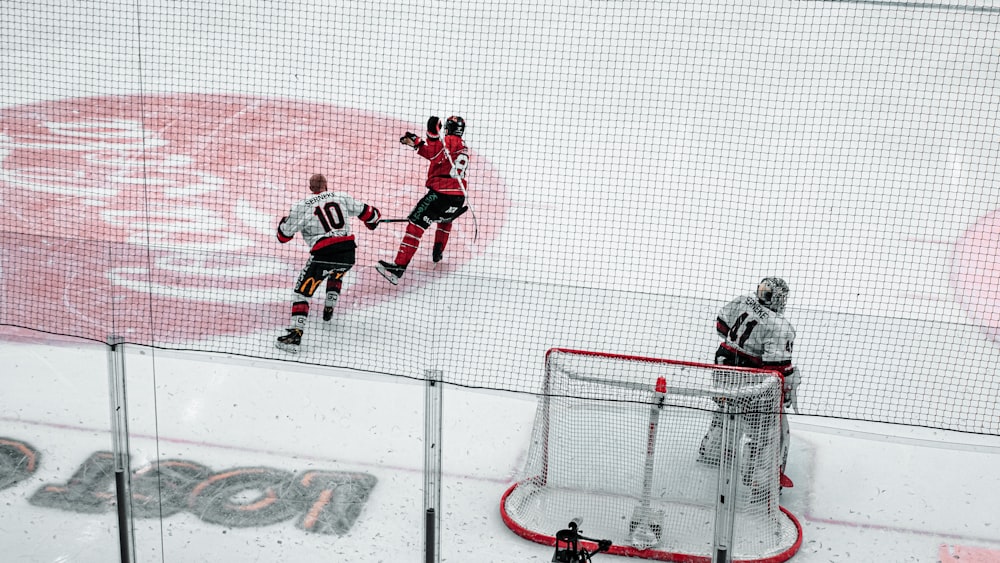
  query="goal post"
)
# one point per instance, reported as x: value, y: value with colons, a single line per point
x: 670, y: 460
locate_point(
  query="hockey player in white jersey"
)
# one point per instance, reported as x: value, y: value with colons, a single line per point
x: 322, y: 219
x: 756, y: 334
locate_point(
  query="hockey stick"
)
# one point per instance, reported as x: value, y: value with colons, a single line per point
x: 646, y: 528
x: 465, y: 192
x: 461, y: 210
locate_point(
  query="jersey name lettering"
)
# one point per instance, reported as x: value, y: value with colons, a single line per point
x: 757, y: 308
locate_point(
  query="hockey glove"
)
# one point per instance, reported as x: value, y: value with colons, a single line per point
x: 282, y: 237
x: 410, y: 139
x: 791, y: 390
x: 373, y: 217
x: 433, y: 127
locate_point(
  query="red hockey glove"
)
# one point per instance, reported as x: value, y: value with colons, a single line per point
x: 433, y: 127
x: 371, y: 217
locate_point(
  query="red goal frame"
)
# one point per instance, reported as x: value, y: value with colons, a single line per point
x: 627, y: 550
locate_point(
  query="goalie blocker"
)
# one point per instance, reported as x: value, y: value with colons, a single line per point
x: 615, y: 442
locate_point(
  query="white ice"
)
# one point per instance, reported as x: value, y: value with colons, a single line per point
x: 671, y: 151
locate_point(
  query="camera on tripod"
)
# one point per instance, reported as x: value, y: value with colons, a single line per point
x: 568, y: 548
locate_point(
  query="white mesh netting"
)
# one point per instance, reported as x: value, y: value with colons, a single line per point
x: 589, y: 460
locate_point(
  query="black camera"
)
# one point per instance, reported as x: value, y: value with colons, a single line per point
x: 568, y: 548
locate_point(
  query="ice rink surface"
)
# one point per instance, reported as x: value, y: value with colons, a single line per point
x: 654, y: 162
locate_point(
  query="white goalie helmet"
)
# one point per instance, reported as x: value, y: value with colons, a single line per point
x: 773, y: 293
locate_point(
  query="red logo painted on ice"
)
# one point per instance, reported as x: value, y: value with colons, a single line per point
x: 153, y: 217
x: 976, y: 272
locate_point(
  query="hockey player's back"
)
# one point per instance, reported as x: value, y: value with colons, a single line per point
x: 323, y: 215
x: 756, y: 334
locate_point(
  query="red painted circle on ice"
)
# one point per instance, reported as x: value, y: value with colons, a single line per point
x: 976, y: 272
x: 153, y: 217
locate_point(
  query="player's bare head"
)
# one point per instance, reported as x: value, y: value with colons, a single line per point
x: 317, y: 183
x: 773, y: 293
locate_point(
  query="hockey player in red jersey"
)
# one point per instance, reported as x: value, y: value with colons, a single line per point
x: 322, y: 221
x: 445, y: 200
x: 756, y: 334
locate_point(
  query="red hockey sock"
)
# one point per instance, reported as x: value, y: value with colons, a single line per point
x: 411, y: 240
x: 300, y: 310
x: 441, y: 236
x: 333, y: 287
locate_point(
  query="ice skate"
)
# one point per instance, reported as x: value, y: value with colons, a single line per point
x: 290, y: 342
x: 390, y: 271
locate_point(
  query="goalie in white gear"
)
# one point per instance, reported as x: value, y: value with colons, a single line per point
x: 756, y: 334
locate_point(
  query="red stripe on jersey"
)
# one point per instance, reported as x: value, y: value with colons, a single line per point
x: 722, y: 327
x: 749, y: 359
x: 282, y: 237
x: 330, y: 241
x: 784, y: 367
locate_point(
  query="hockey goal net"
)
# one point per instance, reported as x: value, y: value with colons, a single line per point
x: 616, y: 445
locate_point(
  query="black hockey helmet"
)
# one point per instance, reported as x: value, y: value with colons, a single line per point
x: 455, y: 125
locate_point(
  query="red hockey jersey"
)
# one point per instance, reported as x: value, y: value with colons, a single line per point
x: 446, y: 173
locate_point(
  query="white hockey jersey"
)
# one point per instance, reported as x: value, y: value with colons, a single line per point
x: 323, y: 218
x: 758, y: 335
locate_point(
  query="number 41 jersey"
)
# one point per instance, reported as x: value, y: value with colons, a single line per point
x: 757, y: 335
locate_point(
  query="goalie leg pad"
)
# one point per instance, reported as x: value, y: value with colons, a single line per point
x: 711, y: 443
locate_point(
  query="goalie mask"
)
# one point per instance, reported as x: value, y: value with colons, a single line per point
x: 773, y: 293
x: 455, y: 125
